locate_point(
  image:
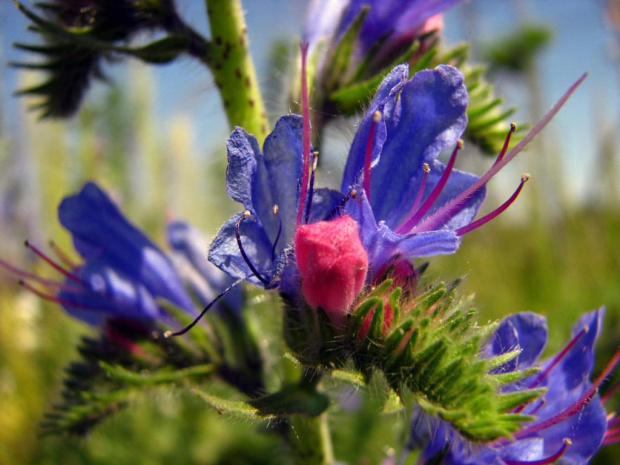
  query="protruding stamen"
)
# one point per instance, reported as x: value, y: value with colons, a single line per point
x: 418, y: 198
x: 52, y: 297
x: 577, y: 406
x: 305, y: 111
x: 246, y: 214
x: 495, y: 213
x: 62, y: 255
x: 351, y: 195
x: 511, y: 131
x: 545, y: 461
x: 554, y: 363
x: 452, y: 206
x: 428, y: 203
x: 315, y: 161
x: 376, y: 117
x: 276, y: 209
x: 34, y: 277
x: 52, y: 263
x: 168, y: 334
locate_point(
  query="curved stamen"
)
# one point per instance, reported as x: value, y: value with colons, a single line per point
x: 305, y: 110
x: 545, y: 461
x: 315, y: 161
x: 428, y: 203
x: 376, y: 117
x: 576, y: 407
x: 554, y: 362
x: 62, y: 255
x: 418, y: 198
x: 168, y: 334
x: 513, y: 128
x: 495, y: 213
x: 34, y: 277
x: 351, y: 195
x: 451, y: 207
x: 276, y: 209
x: 53, y: 297
x: 247, y: 214
x: 52, y: 263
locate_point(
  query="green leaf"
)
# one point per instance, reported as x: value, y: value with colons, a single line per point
x: 161, y: 51
x: 344, y: 51
x: 290, y: 400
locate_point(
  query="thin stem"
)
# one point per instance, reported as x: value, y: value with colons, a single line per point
x: 230, y: 62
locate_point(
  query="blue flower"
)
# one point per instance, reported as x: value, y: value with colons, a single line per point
x: 123, y: 273
x: 390, y: 23
x: 393, y: 167
x: 570, y: 419
x: 257, y: 243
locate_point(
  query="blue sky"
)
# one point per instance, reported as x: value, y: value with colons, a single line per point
x: 581, y: 43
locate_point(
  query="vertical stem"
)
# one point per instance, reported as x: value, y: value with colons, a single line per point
x: 310, y: 441
x: 233, y: 69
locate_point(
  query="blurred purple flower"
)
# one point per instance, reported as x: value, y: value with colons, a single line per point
x: 570, y: 422
x: 123, y: 273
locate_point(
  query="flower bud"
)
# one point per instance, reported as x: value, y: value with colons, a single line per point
x: 333, y: 265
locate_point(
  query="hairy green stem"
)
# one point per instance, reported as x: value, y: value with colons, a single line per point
x: 232, y: 68
x: 309, y: 440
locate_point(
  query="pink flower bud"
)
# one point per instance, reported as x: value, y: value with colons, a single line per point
x: 332, y: 264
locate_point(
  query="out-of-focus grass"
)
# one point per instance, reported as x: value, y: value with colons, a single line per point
x: 560, y: 265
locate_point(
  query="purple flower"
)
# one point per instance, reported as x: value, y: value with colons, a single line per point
x: 257, y: 243
x: 123, y: 273
x: 570, y: 421
x: 392, y: 166
x: 389, y: 24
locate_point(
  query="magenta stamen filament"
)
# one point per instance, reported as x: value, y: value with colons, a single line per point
x: 410, y: 224
x: 545, y: 461
x: 376, y: 117
x: 451, y: 207
x: 418, y: 198
x: 576, y: 407
x: 513, y: 128
x: 495, y: 213
x: 52, y: 263
x: 62, y: 256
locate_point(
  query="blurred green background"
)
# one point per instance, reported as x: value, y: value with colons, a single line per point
x: 555, y: 252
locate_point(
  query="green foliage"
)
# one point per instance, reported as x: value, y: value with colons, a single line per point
x: 517, y: 52
x: 433, y: 351
x: 78, y: 39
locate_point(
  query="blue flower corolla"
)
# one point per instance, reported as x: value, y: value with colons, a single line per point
x: 570, y: 422
x: 391, y: 23
x: 123, y: 273
x: 393, y: 167
x: 189, y: 252
x: 267, y: 184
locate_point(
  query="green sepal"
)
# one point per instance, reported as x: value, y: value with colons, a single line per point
x: 510, y: 377
x: 499, y: 360
x: 290, y: 400
x: 344, y: 51
x: 162, y: 376
x: 511, y: 400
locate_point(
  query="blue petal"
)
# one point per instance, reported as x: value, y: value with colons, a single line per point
x: 100, y: 232
x: 532, y: 335
x: 578, y: 364
x: 225, y: 254
x: 284, y: 165
x: 386, y: 93
x: 243, y: 151
x: 432, y: 118
x: 382, y: 244
x: 325, y: 203
x: 390, y: 16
